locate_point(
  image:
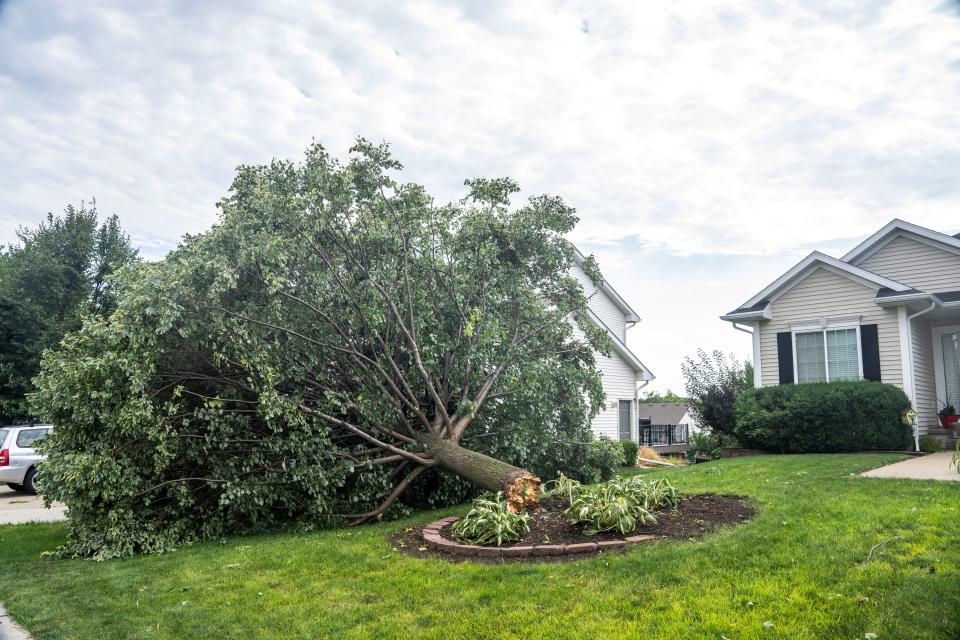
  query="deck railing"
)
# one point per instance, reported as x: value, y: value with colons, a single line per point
x: 664, y: 434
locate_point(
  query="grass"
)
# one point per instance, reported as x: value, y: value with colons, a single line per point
x: 799, y: 566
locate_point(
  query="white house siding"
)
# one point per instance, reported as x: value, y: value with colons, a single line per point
x: 924, y: 383
x: 619, y: 383
x: 601, y: 304
x: 916, y: 264
x: 825, y: 293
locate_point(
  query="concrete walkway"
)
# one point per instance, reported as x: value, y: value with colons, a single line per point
x: 9, y: 629
x: 935, y: 466
x: 17, y: 508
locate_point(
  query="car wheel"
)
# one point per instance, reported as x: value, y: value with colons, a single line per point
x: 28, y: 482
x: 15, y: 487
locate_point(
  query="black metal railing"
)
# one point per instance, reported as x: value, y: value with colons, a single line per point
x: 664, y: 434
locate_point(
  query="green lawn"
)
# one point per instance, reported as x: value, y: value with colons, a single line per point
x: 798, y: 566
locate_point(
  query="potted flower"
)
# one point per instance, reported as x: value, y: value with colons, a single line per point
x: 948, y: 415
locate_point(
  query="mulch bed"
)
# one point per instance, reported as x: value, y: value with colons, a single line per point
x: 695, y: 517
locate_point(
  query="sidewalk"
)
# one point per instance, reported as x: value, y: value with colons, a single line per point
x: 10, y: 630
x: 17, y: 508
x: 935, y: 466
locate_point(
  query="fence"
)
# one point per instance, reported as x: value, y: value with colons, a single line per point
x: 663, y: 434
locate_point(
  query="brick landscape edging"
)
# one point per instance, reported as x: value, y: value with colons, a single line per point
x: 435, y: 541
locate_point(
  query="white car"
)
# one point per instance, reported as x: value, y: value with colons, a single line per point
x: 18, y: 458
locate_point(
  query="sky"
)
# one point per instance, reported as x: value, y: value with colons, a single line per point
x: 706, y: 145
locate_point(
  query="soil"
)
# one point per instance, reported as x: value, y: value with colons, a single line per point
x: 695, y: 517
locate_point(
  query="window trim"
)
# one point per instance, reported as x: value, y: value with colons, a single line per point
x: 823, y: 326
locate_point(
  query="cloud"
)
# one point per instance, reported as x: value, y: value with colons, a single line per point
x: 682, y: 132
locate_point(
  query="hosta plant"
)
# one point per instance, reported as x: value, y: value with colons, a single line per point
x: 656, y: 494
x: 607, y: 506
x: 490, y: 522
x: 560, y: 488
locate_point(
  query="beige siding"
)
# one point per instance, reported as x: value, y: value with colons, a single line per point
x: 601, y: 304
x: 915, y: 264
x: 823, y: 294
x: 924, y: 383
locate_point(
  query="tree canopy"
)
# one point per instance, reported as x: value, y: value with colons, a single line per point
x: 668, y: 397
x: 56, y: 274
x: 337, y: 347
x: 714, y: 381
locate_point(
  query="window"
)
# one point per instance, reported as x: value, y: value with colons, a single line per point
x: 827, y: 355
x: 28, y: 437
x: 811, y: 363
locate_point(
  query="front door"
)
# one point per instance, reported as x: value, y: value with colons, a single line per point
x: 625, y: 420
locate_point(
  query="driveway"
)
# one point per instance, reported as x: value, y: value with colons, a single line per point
x: 935, y: 466
x: 16, y: 508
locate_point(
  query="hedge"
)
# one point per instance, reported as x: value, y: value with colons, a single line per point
x: 630, y: 451
x: 823, y: 417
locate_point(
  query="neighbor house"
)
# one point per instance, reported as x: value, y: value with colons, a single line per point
x: 889, y: 310
x: 666, y: 426
x: 623, y: 373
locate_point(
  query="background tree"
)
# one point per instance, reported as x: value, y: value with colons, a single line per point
x: 337, y: 347
x: 55, y: 274
x: 668, y: 397
x: 714, y: 381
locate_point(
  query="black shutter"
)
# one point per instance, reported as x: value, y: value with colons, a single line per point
x: 785, y: 357
x: 870, y: 352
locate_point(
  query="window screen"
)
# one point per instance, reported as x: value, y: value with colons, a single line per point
x: 810, y: 357
x: 843, y: 354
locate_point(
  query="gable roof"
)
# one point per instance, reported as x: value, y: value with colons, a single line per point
x: 757, y: 306
x: 630, y: 315
x: 896, y: 226
x: 662, y: 412
x: 622, y: 349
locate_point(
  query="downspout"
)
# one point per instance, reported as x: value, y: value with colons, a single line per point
x: 757, y: 374
x: 913, y: 377
x: 742, y: 329
x: 636, y: 406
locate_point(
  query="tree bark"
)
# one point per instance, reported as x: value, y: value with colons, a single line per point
x: 520, y: 487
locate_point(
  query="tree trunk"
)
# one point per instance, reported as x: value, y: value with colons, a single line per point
x: 519, y: 486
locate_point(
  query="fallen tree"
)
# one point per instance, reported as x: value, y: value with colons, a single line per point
x: 335, y: 338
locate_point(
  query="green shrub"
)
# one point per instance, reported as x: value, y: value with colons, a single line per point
x: 930, y: 444
x: 630, y: 451
x: 491, y: 522
x: 604, y: 457
x: 709, y: 442
x: 823, y: 417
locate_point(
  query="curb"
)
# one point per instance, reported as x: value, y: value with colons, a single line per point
x: 433, y: 539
